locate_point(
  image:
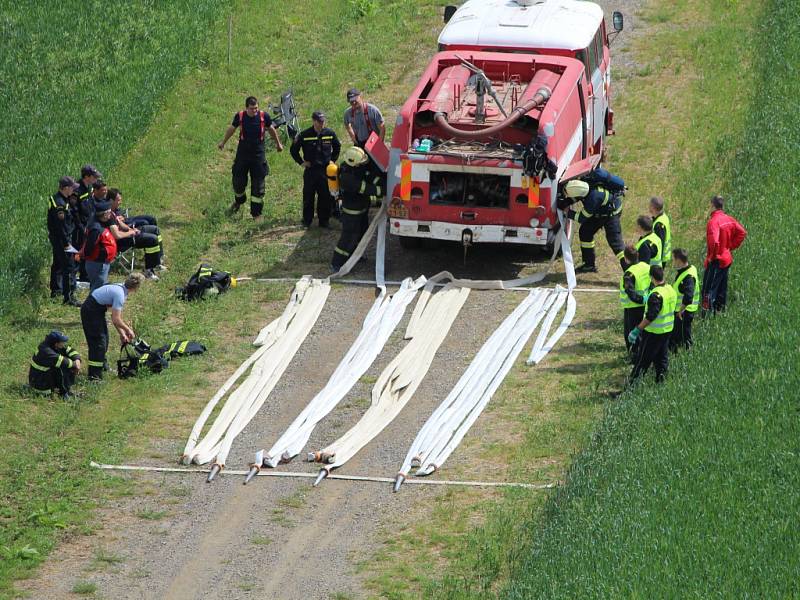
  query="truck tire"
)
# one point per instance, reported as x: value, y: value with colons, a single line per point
x: 408, y: 242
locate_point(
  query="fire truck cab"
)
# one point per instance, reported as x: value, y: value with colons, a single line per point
x: 516, y: 100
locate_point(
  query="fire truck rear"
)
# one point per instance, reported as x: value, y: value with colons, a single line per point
x: 516, y: 102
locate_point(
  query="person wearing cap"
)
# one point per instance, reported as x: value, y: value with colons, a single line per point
x: 93, y: 320
x: 362, y: 118
x: 251, y: 158
x: 60, y: 227
x: 132, y: 237
x: 313, y: 149
x: 54, y: 366
x: 100, y: 247
x: 84, y: 210
x: 357, y: 184
x: 601, y: 197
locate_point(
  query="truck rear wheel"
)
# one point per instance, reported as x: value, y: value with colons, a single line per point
x: 410, y: 243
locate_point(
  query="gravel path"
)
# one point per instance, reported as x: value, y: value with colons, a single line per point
x: 281, y: 538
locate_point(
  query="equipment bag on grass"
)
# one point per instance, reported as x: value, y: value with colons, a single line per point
x: 182, y: 348
x: 137, y: 355
x: 206, y: 282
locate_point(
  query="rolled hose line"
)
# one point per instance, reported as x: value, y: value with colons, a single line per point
x: 541, y: 96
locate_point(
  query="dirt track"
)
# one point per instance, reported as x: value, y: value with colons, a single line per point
x: 280, y: 538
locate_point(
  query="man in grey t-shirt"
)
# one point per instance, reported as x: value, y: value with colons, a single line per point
x: 362, y: 118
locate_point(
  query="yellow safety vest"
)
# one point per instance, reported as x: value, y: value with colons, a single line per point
x: 666, y: 251
x: 652, y: 237
x: 692, y: 270
x: 665, y: 320
x: 641, y: 276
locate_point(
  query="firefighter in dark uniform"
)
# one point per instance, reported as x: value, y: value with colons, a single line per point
x: 655, y: 329
x: 60, y: 227
x: 649, y: 244
x: 687, y: 288
x: 251, y: 158
x: 54, y: 366
x: 93, y: 320
x: 602, y: 207
x: 89, y: 174
x: 100, y: 247
x: 319, y: 147
x: 634, y: 288
x: 357, y: 186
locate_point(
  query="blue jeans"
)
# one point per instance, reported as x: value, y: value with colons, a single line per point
x: 715, y: 287
x: 98, y: 274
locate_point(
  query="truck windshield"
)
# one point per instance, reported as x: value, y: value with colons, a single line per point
x: 469, y: 189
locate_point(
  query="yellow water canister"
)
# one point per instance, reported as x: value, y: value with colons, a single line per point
x: 332, y: 171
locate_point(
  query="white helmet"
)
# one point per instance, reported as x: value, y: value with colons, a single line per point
x: 576, y: 188
x: 355, y: 156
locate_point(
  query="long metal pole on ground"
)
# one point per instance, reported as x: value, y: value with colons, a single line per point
x: 291, y: 474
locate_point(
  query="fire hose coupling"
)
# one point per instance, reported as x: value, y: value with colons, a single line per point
x: 320, y: 457
x: 415, y: 462
x: 254, y: 470
x: 184, y: 459
x: 215, y: 470
x: 398, y: 481
x: 323, y: 473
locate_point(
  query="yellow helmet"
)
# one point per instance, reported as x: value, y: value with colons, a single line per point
x: 576, y: 188
x: 355, y: 156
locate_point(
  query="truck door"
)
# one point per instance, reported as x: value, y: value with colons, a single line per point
x: 597, y: 76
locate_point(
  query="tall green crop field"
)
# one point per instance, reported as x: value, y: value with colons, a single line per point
x: 79, y: 81
x: 692, y: 489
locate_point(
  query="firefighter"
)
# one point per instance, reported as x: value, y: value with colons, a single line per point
x: 655, y: 328
x: 723, y: 234
x: 649, y: 244
x: 357, y: 185
x: 60, y: 226
x: 602, y: 207
x: 319, y: 146
x: 93, y: 320
x: 100, y: 247
x: 251, y: 158
x: 687, y: 288
x: 54, y: 366
x: 634, y: 287
x: 85, y: 210
x: 146, y: 237
x: 661, y: 227
x: 362, y: 118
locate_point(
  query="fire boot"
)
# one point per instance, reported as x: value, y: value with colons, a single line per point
x: 587, y: 255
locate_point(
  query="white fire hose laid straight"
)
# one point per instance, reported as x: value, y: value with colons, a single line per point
x: 380, y: 322
x: 430, y: 322
x: 279, y: 342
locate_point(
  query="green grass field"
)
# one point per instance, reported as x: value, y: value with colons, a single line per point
x: 146, y: 99
x: 692, y: 489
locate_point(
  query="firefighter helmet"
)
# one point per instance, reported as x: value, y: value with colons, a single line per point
x: 576, y: 189
x: 355, y: 156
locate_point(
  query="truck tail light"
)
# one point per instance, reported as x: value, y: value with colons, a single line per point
x: 538, y: 214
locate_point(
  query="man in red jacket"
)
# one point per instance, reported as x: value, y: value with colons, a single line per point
x: 723, y: 234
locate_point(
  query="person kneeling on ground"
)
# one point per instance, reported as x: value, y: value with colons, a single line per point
x: 54, y: 366
x: 146, y: 237
x: 357, y: 184
x: 655, y: 328
x: 93, y: 319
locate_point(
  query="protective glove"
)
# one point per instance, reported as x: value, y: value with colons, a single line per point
x: 634, y: 335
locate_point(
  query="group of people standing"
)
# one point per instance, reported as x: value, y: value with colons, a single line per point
x: 341, y: 191
x: 87, y: 228
x: 657, y: 315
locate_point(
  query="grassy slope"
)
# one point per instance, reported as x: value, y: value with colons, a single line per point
x: 77, y: 89
x: 175, y: 172
x: 691, y: 489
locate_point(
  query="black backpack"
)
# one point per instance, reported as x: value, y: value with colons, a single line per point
x: 136, y: 355
x: 205, y: 282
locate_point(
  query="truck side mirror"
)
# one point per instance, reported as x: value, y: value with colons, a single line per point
x: 617, y: 21
x: 449, y: 11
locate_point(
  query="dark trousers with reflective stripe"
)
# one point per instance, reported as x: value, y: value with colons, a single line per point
x: 95, y: 328
x: 315, y: 188
x: 682, y: 331
x: 613, y: 230
x: 62, y: 271
x: 653, y: 350
x: 631, y: 317
x: 149, y: 243
x: 353, y: 228
x: 59, y: 379
x: 257, y: 169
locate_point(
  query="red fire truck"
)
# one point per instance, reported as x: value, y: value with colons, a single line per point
x: 516, y: 100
